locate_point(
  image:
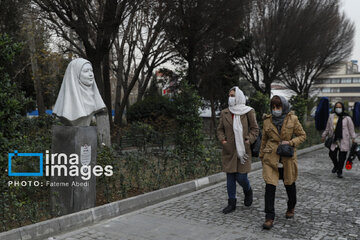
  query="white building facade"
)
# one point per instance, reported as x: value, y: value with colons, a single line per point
x: 343, y: 85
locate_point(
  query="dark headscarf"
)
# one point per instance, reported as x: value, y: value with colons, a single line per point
x: 338, y: 128
x: 278, y: 121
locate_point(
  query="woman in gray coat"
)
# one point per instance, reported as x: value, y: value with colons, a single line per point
x: 341, y: 127
x: 237, y: 130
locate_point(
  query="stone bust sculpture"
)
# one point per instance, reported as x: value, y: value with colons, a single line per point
x: 79, y: 98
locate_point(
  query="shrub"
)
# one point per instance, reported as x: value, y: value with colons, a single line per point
x: 137, y: 172
x: 313, y: 136
x: 299, y: 105
x: 261, y: 104
x: 154, y: 110
x: 189, y: 135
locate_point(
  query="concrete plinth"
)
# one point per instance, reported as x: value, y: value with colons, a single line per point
x: 72, y: 193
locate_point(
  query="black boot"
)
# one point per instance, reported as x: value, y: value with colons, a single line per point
x: 230, y: 207
x: 248, y: 197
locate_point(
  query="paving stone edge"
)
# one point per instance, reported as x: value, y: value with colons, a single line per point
x: 90, y: 216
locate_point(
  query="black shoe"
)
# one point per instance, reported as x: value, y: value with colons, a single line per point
x: 339, y: 175
x: 248, y: 197
x: 230, y: 207
x: 334, y: 170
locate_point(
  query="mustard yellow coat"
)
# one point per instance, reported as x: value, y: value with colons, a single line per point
x: 291, y: 131
x: 230, y: 161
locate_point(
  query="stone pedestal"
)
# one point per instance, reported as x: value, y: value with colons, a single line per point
x: 71, y: 193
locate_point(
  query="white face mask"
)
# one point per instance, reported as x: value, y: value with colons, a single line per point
x: 338, y: 110
x: 276, y: 113
x: 231, y: 101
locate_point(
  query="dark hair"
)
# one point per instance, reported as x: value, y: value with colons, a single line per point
x: 275, y: 101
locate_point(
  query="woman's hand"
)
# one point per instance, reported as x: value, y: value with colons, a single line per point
x: 223, y: 142
x: 353, y: 141
x: 322, y: 139
x: 285, y: 142
x: 247, y: 141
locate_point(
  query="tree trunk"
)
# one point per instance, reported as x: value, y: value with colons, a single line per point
x: 142, y: 89
x: 190, y: 58
x: 127, y: 109
x: 118, y: 116
x: 213, y: 117
x: 128, y: 88
x: 35, y: 70
x: 96, y: 64
x: 103, y: 129
x: 107, y: 87
x: 191, y: 72
x: 123, y: 103
x: 141, y: 81
x: 268, y: 89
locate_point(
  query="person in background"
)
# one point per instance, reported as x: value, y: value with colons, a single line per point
x: 280, y: 127
x: 237, y: 130
x: 341, y: 127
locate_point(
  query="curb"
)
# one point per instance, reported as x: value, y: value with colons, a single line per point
x: 90, y: 216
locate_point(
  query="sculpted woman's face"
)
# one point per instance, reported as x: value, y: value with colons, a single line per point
x: 87, y: 75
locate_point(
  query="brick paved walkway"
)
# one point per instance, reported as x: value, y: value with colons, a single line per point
x: 328, y: 208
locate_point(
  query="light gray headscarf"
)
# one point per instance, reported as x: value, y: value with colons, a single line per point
x: 239, y: 109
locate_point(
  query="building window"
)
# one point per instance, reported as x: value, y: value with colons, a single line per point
x: 350, y: 90
x: 335, y: 80
x: 346, y: 80
x: 356, y: 80
x: 330, y: 90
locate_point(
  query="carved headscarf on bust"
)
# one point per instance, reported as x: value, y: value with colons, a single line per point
x: 77, y: 100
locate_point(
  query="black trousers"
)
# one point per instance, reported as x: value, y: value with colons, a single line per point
x: 338, y: 161
x: 270, y: 197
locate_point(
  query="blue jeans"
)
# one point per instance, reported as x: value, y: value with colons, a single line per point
x: 232, y: 178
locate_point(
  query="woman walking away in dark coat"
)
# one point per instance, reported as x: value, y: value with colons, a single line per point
x: 340, y: 127
x: 237, y: 130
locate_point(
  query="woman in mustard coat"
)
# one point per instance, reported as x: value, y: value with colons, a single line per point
x: 237, y: 130
x: 280, y: 127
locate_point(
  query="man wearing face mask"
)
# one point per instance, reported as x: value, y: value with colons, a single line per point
x: 237, y: 130
x: 280, y: 127
x: 341, y: 127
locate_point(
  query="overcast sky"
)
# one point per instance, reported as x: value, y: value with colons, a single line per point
x: 352, y: 10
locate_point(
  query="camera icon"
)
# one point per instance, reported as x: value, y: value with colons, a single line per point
x: 11, y: 155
